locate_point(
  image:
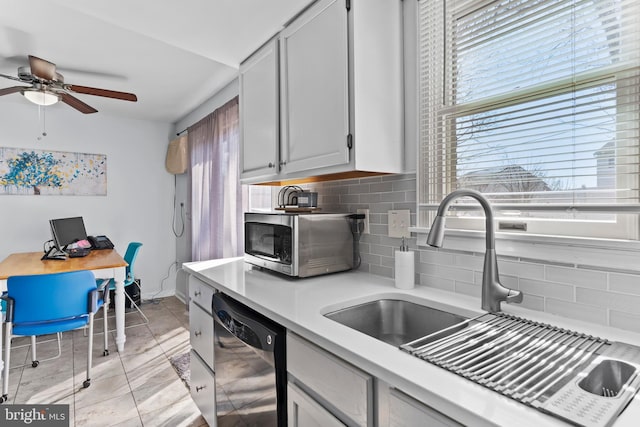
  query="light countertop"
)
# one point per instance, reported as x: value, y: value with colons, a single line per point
x: 299, y: 305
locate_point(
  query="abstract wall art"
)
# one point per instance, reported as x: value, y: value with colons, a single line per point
x: 25, y: 171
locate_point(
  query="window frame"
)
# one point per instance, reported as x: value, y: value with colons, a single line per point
x: 624, y: 227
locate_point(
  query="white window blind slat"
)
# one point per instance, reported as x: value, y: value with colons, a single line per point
x: 534, y: 103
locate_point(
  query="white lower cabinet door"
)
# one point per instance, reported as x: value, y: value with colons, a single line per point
x: 303, y: 411
x: 203, y: 389
x: 201, y: 333
x: 405, y: 411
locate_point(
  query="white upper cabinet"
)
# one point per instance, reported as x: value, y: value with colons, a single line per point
x: 315, y: 89
x: 340, y: 97
x: 259, y: 113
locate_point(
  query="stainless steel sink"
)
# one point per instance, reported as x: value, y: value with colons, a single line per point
x: 396, y: 322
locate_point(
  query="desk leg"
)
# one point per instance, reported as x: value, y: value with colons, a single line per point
x: 119, y: 294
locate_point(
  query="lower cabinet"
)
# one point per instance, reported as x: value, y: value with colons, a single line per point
x: 405, y: 411
x: 203, y: 389
x: 341, y: 389
x: 325, y: 390
x: 304, y: 411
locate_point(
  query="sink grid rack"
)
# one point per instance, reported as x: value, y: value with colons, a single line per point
x: 519, y: 358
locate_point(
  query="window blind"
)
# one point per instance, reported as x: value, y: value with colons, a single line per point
x: 535, y: 103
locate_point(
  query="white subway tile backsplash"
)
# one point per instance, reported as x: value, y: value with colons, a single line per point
x: 455, y: 273
x: 438, y: 282
x: 471, y: 289
x: 576, y: 276
x: 381, y: 271
x: 392, y: 197
x: 381, y: 187
x: 404, y: 185
x: 370, y: 198
x: 382, y: 250
x: 588, y: 313
x: 437, y: 257
x: 533, y: 302
x: 591, y: 284
x: 428, y: 269
x: 546, y: 289
x: 521, y: 269
x: 626, y: 283
x: 473, y: 262
x: 615, y: 301
x: 350, y: 198
x: 621, y: 320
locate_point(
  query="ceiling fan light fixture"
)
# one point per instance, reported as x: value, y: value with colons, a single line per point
x: 41, y: 97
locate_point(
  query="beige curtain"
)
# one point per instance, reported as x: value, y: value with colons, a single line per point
x: 216, y: 193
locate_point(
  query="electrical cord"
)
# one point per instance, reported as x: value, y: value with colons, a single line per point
x: 357, y: 227
x: 45, y: 247
x: 173, y: 219
x: 153, y: 298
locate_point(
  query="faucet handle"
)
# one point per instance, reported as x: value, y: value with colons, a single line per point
x: 514, y: 296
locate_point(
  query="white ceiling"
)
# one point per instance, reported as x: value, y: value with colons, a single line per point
x: 173, y: 55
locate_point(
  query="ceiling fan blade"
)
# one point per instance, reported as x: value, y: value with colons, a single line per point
x: 102, y: 92
x: 42, y: 68
x: 14, y: 89
x: 10, y: 77
x: 74, y: 102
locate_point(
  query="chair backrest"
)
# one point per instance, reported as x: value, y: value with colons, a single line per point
x: 50, y: 296
x: 130, y: 257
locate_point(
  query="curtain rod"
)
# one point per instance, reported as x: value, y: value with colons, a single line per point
x: 181, y: 132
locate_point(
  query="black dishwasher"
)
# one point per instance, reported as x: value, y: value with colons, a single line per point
x: 250, y: 366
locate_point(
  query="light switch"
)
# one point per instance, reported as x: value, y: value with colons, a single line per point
x: 399, y: 223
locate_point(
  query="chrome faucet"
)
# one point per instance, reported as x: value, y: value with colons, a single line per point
x: 492, y: 291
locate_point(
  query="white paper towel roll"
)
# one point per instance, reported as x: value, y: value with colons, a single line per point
x: 405, y: 269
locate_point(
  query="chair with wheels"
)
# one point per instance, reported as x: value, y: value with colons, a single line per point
x: 130, y: 257
x: 49, y: 304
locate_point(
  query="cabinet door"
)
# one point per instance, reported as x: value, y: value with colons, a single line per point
x: 405, y: 411
x: 203, y: 389
x: 201, y: 333
x: 259, y: 113
x: 315, y: 88
x: 333, y: 381
x: 303, y: 411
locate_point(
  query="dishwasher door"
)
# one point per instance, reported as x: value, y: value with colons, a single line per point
x: 249, y: 363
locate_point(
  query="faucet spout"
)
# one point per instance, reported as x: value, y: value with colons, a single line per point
x: 493, y: 293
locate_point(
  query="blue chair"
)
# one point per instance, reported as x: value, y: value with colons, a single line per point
x: 49, y: 304
x: 130, y: 257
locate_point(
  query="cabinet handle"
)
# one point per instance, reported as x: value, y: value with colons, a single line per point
x: 197, y: 293
x: 198, y: 388
x: 283, y: 163
x: 272, y: 165
x: 197, y: 333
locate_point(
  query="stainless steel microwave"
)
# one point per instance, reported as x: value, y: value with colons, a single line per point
x: 299, y: 244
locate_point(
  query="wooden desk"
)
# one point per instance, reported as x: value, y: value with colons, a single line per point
x: 105, y: 264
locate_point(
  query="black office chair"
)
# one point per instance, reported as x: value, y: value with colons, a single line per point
x: 47, y: 304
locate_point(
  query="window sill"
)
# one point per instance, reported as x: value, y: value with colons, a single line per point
x: 615, y: 255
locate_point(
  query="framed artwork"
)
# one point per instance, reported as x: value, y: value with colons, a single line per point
x: 26, y: 171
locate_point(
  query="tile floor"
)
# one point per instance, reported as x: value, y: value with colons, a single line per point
x: 137, y: 387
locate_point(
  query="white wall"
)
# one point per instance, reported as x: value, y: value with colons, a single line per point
x: 138, y: 204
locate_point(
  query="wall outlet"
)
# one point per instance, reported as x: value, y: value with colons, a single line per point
x: 399, y: 223
x: 365, y: 230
